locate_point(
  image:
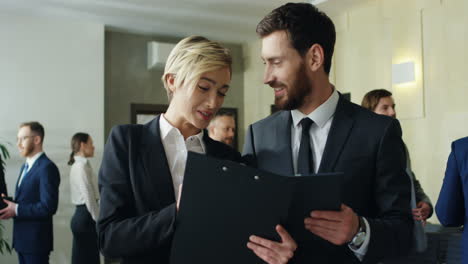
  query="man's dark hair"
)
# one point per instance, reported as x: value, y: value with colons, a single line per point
x: 305, y: 26
x: 372, y: 98
x: 36, y: 128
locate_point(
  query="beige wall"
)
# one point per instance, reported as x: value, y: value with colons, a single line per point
x: 433, y: 109
x: 257, y: 96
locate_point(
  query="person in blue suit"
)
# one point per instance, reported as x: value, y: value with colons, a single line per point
x: 451, y: 206
x: 36, y: 198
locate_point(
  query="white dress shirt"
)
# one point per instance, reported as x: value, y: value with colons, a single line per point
x: 84, y: 186
x: 176, y: 149
x: 323, y: 118
x: 30, y: 161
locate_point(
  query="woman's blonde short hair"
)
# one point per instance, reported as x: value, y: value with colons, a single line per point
x: 192, y: 57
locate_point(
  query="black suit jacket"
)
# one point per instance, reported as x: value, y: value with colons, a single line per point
x: 138, y: 211
x: 368, y: 148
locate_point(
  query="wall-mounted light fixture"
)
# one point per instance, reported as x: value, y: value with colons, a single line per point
x: 403, y: 73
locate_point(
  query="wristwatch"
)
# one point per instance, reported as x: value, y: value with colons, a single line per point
x: 360, y: 236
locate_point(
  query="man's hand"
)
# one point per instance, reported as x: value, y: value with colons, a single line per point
x: 9, y: 211
x: 274, y: 252
x: 337, y: 227
x: 421, y: 213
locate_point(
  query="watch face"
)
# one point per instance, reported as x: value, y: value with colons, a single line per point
x: 359, y: 238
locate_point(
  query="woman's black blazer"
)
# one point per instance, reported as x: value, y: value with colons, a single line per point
x: 137, y: 210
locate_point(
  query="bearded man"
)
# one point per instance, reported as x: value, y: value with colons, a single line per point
x: 222, y: 128
x: 319, y: 131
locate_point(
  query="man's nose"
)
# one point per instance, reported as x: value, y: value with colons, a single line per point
x: 268, y: 77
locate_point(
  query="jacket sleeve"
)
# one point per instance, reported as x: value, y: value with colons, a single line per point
x: 391, y: 229
x: 48, y: 196
x: 122, y: 232
x: 421, y: 195
x: 450, y: 207
x: 418, y: 190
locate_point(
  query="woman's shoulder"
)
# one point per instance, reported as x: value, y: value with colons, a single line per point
x: 124, y: 130
x: 79, y: 164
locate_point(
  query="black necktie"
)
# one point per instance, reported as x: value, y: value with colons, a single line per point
x: 305, y: 162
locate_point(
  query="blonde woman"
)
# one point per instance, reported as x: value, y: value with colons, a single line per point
x: 144, y: 165
x: 84, y: 194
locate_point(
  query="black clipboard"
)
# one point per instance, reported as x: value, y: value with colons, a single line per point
x: 225, y: 202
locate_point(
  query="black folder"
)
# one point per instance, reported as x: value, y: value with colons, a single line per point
x: 224, y: 202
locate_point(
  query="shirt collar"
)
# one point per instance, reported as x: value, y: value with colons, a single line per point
x: 80, y: 158
x: 322, y: 114
x: 30, y: 161
x: 166, y: 129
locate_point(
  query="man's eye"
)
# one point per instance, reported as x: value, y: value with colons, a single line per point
x: 221, y: 94
x: 203, y: 88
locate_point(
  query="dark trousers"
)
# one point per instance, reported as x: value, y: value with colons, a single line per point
x: 85, y: 246
x: 38, y: 258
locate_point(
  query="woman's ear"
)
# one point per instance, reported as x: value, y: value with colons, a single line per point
x: 170, y: 82
x: 315, y: 57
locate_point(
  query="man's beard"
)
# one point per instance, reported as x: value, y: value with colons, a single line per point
x: 296, y: 93
x: 228, y: 141
x: 27, y: 150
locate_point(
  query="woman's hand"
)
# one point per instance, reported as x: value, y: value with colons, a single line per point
x: 274, y: 252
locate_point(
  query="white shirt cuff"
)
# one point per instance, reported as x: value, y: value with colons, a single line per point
x: 362, y: 250
x: 16, y: 209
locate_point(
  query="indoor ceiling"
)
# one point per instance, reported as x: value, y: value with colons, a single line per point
x: 224, y: 20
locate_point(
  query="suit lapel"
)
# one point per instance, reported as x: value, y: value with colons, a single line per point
x: 338, y: 135
x: 155, y: 161
x: 285, y: 142
x: 17, y: 181
x: 281, y: 143
x: 29, y: 174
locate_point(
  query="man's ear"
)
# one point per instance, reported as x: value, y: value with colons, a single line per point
x: 170, y: 82
x: 315, y: 57
x: 37, y: 140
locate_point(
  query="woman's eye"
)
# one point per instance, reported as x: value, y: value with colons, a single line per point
x: 203, y: 88
x: 221, y: 94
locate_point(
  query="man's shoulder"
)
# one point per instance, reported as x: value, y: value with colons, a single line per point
x: 46, y: 165
x: 463, y: 142
x: 279, y: 117
x: 460, y: 148
x: 365, y: 116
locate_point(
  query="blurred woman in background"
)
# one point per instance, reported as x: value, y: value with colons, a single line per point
x: 85, y: 195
